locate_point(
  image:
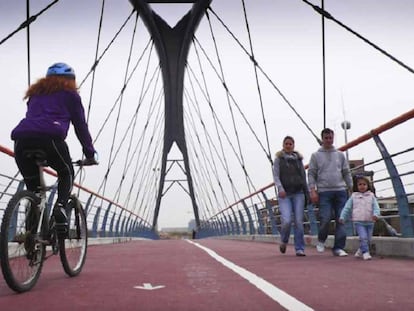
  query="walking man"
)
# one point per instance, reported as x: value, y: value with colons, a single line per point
x: 330, y: 181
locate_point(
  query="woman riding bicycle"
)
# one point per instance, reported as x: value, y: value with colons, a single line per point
x: 53, y: 103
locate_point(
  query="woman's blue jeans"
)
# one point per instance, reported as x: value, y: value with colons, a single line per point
x: 331, y: 204
x: 364, y: 231
x: 291, y: 209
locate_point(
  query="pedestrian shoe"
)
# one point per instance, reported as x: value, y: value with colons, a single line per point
x: 300, y: 253
x: 366, y: 256
x: 340, y: 253
x: 358, y: 253
x: 282, y: 248
x: 320, y: 247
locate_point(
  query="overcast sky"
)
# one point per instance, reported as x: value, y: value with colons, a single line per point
x: 362, y: 85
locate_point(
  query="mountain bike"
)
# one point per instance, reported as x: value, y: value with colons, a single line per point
x: 29, y: 234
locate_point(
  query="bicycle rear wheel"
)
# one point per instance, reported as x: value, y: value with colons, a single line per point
x: 21, y: 254
x: 73, y: 249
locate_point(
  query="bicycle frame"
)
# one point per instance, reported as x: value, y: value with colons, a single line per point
x: 44, y: 220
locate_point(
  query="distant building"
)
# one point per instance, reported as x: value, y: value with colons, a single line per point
x: 175, y: 230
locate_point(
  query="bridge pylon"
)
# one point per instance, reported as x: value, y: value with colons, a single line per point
x: 172, y: 45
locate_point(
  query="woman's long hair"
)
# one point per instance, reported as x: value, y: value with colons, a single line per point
x: 51, y: 84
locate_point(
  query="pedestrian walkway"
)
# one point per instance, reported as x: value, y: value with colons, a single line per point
x: 214, y: 274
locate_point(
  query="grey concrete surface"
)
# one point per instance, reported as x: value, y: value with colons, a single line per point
x: 381, y: 246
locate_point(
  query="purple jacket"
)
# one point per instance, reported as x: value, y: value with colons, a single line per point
x: 49, y: 116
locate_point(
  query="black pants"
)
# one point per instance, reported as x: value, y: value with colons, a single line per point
x: 58, y: 158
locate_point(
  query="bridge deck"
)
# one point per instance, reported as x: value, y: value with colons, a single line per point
x: 212, y: 274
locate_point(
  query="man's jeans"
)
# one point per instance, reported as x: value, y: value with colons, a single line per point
x: 292, y: 205
x: 331, y: 204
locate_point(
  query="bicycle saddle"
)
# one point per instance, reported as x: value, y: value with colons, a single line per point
x: 35, y: 154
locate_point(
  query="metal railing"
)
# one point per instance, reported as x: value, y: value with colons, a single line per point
x: 392, y: 176
x: 105, y: 218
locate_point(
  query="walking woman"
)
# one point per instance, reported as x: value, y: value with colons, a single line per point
x: 290, y: 182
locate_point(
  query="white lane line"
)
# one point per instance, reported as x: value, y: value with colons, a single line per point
x: 278, y: 295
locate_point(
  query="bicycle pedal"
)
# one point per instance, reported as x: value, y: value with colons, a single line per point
x: 55, y: 249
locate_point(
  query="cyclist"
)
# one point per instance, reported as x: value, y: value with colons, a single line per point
x: 53, y: 103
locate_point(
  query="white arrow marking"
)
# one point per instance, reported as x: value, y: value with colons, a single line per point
x: 148, y: 286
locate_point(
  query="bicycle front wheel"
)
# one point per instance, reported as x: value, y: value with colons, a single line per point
x: 21, y: 254
x: 73, y: 249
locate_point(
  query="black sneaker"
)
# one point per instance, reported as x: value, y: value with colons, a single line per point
x: 61, y: 220
x: 282, y: 248
x: 59, y: 213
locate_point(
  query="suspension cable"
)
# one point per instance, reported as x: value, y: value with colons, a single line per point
x: 236, y: 133
x: 139, y: 149
x: 27, y: 22
x: 329, y: 16
x: 125, y: 79
x: 210, y: 163
x: 107, y: 48
x: 257, y: 83
x: 214, y: 115
x: 234, y: 101
x: 122, y: 90
x: 323, y: 67
x: 211, y: 157
x: 28, y: 41
x: 95, y: 61
x: 207, y: 166
x: 267, y: 77
x: 117, y: 152
x: 216, y: 121
x: 202, y: 181
x: 207, y: 95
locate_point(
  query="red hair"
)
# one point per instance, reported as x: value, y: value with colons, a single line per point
x: 51, y: 84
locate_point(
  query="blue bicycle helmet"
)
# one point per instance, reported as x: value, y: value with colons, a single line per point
x: 60, y: 69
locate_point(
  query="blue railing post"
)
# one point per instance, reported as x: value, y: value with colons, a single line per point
x: 222, y: 227
x: 243, y: 223
x: 236, y: 222
x: 111, y: 227
x: 228, y: 225
x: 121, y: 226
x: 117, y: 231
x: 271, y: 215
x: 249, y: 217
x: 88, y: 204
x: 12, y: 228
x: 95, y: 222
x: 261, y: 229
x: 233, y: 230
x: 105, y: 219
x: 406, y: 223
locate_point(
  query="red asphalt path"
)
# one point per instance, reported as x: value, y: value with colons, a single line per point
x: 183, y: 276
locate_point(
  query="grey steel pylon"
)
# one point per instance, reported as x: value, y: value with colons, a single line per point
x: 172, y: 45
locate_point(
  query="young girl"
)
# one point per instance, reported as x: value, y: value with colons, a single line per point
x: 365, y: 211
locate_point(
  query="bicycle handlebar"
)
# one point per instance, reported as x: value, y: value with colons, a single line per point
x: 86, y: 162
